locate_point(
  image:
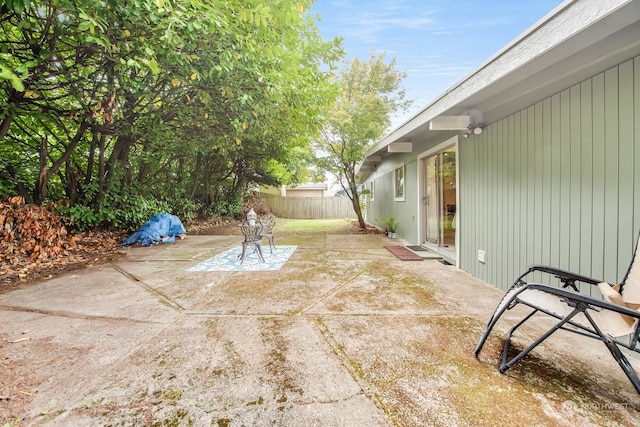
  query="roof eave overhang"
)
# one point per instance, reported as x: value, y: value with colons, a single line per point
x: 575, y: 41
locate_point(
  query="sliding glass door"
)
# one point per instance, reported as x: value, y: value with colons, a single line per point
x: 440, y: 201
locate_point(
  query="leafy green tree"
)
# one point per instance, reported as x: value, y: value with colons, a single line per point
x: 108, y: 103
x: 370, y: 92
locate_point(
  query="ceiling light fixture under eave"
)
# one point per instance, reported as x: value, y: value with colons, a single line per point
x: 400, y: 147
x: 450, y: 123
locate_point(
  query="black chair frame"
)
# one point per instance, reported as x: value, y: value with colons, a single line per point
x: 579, y: 303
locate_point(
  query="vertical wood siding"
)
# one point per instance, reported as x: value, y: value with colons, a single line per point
x: 384, y: 206
x: 557, y: 183
x: 381, y: 207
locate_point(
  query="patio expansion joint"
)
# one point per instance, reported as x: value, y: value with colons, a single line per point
x: 313, y: 315
x: 369, y: 390
x: 236, y: 315
x: 161, y: 295
x: 335, y: 289
x: 71, y: 315
x: 330, y: 401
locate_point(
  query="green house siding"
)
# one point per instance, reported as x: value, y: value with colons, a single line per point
x: 383, y: 206
x: 557, y: 183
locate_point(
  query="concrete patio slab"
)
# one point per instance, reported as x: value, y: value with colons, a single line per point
x: 344, y: 334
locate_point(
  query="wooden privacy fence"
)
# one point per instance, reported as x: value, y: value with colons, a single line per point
x: 309, y: 207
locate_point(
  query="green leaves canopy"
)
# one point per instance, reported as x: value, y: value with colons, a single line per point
x: 188, y: 100
x: 370, y: 92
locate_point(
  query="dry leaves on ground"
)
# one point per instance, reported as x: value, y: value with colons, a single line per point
x: 35, y: 244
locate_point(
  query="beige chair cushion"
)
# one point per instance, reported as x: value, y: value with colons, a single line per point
x: 631, y: 291
x: 610, y: 322
x: 614, y: 324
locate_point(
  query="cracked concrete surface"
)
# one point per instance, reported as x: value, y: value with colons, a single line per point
x: 344, y: 334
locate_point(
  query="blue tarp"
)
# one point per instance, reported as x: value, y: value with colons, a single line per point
x: 161, y: 228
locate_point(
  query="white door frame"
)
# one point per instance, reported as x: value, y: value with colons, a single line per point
x: 451, y: 142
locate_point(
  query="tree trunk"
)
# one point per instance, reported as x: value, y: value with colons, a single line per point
x: 39, y: 192
x: 68, y: 150
x: 71, y: 180
x: 196, y: 176
x: 119, y: 155
x: 122, y: 148
x: 352, y: 193
x: 144, y: 167
x: 4, y: 126
x: 21, y: 189
x: 101, y: 172
x: 15, y: 97
x: 355, y: 201
x: 91, y: 160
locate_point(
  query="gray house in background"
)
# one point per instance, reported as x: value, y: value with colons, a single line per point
x: 532, y: 158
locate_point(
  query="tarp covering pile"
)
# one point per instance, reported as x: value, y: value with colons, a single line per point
x: 161, y: 228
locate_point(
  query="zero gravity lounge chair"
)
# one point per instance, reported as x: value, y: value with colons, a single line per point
x: 612, y: 320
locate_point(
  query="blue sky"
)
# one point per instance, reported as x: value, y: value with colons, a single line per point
x: 436, y: 42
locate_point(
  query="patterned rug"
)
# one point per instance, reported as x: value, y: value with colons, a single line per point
x: 229, y: 261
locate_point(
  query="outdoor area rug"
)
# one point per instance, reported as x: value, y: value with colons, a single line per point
x: 403, y: 253
x: 229, y: 261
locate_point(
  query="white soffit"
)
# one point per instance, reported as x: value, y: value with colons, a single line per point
x: 450, y: 123
x: 400, y: 147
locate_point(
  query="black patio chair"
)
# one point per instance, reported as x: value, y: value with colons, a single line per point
x: 612, y: 320
x: 251, y: 230
x: 268, y: 221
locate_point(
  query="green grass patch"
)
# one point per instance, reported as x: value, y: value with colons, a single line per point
x: 313, y: 226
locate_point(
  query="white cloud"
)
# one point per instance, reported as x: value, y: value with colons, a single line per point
x: 437, y: 42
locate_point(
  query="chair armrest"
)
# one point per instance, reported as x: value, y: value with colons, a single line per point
x: 566, y: 277
x: 578, y: 297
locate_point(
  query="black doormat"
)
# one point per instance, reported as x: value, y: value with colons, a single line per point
x: 416, y: 248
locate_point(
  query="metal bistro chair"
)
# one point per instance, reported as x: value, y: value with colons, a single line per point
x: 268, y: 221
x: 252, y: 237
